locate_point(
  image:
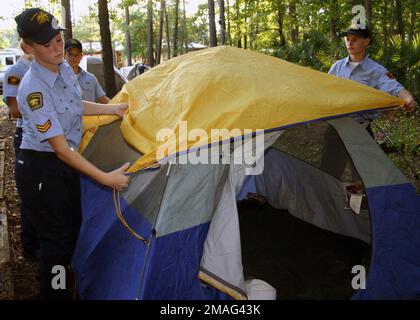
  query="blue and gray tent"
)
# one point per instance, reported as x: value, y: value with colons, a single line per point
x: 174, y: 232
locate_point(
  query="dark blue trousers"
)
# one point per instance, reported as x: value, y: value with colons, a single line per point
x: 28, y: 235
x: 50, y: 193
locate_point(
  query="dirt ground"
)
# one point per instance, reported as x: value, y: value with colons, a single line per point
x: 23, y: 273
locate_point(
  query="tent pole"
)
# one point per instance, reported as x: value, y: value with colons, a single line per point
x: 140, y: 286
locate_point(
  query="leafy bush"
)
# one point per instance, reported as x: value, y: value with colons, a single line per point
x: 403, y: 131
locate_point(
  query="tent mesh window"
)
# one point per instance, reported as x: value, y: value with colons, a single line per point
x: 319, y: 145
x: 108, y: 150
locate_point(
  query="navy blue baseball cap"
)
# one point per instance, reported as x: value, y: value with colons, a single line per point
x: 37, y: 25
x: 73, y: 43
x: 360, y: 32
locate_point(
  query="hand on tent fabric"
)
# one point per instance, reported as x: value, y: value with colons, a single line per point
x: 117, y: 179
x: 410, y: 103
x: 119, y: 109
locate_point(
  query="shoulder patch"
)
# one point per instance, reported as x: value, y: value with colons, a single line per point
x: 35, y: 100
x: 44, y: 127
x: 390, y: 75
x: 13, y: 80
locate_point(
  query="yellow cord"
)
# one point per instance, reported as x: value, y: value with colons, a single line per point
x: 117, y: 205
x: 120, y: 216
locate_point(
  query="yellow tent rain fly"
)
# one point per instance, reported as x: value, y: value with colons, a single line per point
x: 229, y: 88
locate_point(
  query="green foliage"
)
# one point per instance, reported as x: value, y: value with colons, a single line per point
x: 34, y: 3
x: 258, y: 22
x: 404, y: 150
x: 197, y: 26
x: 315, y: 50
x: 4, y: 42
x: 138, y: 31
x: 8, y: 38
x: 405, y: 62
x: 267, y: 25
x: 87, y: 28
x: 403, y: 131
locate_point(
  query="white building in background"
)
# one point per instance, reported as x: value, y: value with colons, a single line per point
x: 8, y: 58
x: 194, y: 46
x: 92, y: 47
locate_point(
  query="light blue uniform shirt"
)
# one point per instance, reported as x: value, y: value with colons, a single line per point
x: 91, y: 89
x: 51, y: 105
x: 370, y: 73
x: 12, y: 79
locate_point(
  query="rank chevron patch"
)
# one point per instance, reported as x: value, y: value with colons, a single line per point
x: 44, y: 127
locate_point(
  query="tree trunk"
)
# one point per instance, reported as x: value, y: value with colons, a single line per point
x: 160, y: 35
x: 280, y: 20
x: 175, y: 43
x: 184, y: 27
x: 392, y: 19
x: 222, y: 22
x: 294, y: 33
x: 247, y: 27
x: 168, y: 36
x: 368, y: 5
x: 384, y: 27
x: 334, y: 20
x: 229, y: 37
x: 72, y: 12
x: 212, y: 24
x: 400, y: 26
x: 108, y: 65
x: 238, y: 25
x: 255, y: 30
x: 413, y: 14
x: 66, y: 19
x: 150, y: 58
x: 127, y: 36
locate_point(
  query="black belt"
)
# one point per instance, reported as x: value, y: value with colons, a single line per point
x: 38, y: 154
